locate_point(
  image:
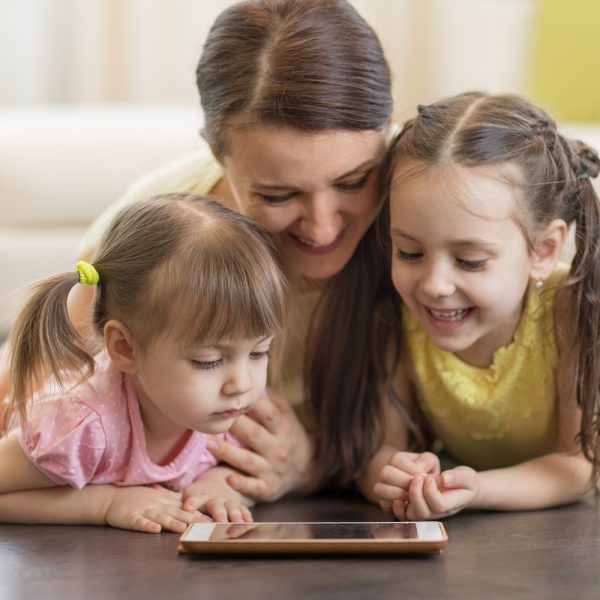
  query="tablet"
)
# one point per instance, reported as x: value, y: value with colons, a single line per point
x: 390, y: 537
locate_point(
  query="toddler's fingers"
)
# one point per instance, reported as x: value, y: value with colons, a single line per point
x: 392, y: 475
x: 386, y: 506
x: 215, y: 507
x: 194, y: 503
x: 141, y: 523
x: 234, y: 513
x: 405, y: 461
x: 253, y: 487
x: 389, y: 492
x: 246, y: 515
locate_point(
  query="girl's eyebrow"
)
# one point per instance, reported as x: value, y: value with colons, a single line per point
x: 475, y: 241
x: 358, y: 169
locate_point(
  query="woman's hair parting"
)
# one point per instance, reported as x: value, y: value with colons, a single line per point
x: 308, y: 64
x: 178, y: 265
x: 554, y: 181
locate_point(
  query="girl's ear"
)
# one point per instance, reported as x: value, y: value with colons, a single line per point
x: 547, y: 249
x: 119, y: 345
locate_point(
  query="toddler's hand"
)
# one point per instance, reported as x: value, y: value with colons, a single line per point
x: 149, y: 509
x: 396, y: 477
x: 212, y: 495
x: 430, y: 498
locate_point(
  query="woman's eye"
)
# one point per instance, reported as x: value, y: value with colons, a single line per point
x: 207, y: 364
x: 408, y: 256
x: 357, y: 184
x: 269, y: 199
x: 471, y: 265
x: 259, y: 355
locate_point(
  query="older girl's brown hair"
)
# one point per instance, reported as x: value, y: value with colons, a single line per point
x: 306, y: 64
x: 476, y: 129
x: 179, y: 265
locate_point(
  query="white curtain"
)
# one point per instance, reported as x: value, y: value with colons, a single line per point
x: 145, y: 51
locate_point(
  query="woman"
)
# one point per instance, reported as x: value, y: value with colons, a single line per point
x: 297, y: 102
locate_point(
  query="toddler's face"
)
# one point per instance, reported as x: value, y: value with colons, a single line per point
x: 205, y: 387
x: 460, y: 261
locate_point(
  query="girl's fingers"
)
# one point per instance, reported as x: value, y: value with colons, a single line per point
x: 434, y: 498
x: 428, y: 463
x: 386, y: 505
x: 399, y: 509
x: 417, y: 508
x: 141, y: 523
x: 390, y: 492
x: 267, y: 413
x: 391, y: 475
x: 216, y: 509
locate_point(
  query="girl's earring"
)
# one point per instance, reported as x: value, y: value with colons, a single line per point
x: 539, y: 283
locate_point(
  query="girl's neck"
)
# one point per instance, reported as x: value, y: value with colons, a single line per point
x: 164, y: 438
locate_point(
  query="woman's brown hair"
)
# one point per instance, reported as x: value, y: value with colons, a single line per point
x: 307, y: 64
x: 175, y: 264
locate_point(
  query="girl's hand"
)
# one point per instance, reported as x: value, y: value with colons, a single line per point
x: 211, y: 495
x: 395, y: 479
x: 278, y: 454
x: 430, y: 498
x: 149, y: 509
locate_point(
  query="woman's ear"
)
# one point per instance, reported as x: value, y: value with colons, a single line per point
x: 119, y: 345
x: 547, y: 248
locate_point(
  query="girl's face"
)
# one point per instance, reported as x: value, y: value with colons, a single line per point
x: 316, y: 192
x: 460, y: 261
x: 204, y: 388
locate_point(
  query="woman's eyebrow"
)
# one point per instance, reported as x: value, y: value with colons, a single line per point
x: 358, y: 169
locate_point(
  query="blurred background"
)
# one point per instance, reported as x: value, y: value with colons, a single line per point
x: 94, y: 93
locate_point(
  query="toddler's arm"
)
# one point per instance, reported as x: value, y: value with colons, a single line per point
x: 141, y: 508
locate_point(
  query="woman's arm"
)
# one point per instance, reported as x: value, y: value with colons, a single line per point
x: 278, y: 457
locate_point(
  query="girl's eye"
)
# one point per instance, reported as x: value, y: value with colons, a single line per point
x: 207, y: 364
x: 408, y: 256
x: 277, y: 199
x: 357, y: 184
x: 471, y: 265
x: 259, y: 355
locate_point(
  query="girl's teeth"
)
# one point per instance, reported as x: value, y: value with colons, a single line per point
x: 308, y: 243
x: 449, y: 315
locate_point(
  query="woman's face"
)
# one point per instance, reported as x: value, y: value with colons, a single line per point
x: 316, y: 192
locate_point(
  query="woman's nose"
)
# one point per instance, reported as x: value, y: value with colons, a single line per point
x: 321, y: 222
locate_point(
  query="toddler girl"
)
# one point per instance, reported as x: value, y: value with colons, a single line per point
x: 188, y: 298
x: 501, y: 343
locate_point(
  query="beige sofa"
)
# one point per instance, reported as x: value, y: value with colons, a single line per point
x: 59, y: 167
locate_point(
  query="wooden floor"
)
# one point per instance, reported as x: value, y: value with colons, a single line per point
x: 546, y: 554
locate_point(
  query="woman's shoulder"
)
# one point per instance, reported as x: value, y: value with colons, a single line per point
x: 194, y: 173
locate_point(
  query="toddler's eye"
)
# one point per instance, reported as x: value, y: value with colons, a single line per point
x: 471, y: 265
x: 207, y: 364
x: 409, y: 256
x: 259, y: 355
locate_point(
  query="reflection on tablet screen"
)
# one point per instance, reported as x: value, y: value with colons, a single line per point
x: 314, y: 531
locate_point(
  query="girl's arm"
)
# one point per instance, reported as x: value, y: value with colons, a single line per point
x: 395, y: 437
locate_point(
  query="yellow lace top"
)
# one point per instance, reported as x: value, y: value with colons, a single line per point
x: 499, y: 415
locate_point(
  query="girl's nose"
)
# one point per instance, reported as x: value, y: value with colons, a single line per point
x: 437, y: 283
x: 238, y: 380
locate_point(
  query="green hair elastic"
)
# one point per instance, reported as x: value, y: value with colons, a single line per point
x: 87, y: 273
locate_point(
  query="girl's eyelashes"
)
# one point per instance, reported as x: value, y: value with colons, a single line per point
x: 260, y: 355
x: 471, y: 265
x: 207, y: 364
x: 408, y: 256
